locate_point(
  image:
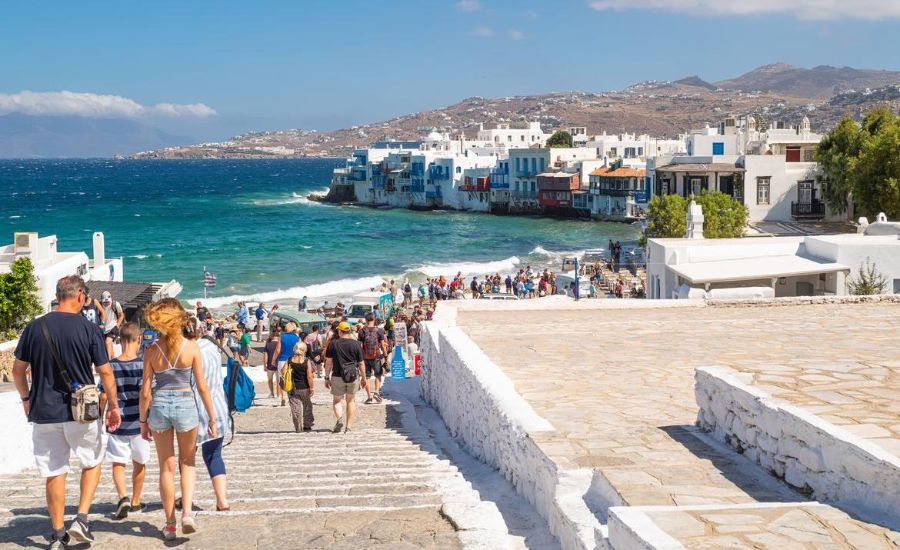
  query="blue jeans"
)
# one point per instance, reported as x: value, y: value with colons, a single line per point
x: 173, y: 409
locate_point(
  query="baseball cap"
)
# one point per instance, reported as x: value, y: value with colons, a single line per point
x: 344, y: 327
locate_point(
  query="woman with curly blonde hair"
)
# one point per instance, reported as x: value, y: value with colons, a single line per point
x: 170, y: 412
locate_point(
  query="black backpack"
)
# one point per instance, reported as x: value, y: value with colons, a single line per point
x: 349, y: 372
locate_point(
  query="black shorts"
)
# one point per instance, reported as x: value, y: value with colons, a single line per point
x: 114, y: 334
x: 374, y: 367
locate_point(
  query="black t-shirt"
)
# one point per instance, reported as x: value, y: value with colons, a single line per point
x: 202, y: 314
x: 80, y: 344
x: 343, y: 351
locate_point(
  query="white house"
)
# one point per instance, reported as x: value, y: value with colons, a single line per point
x: 772, y: 172
x: 503, y: 135
x: 50, y: 265
x: 770, y: 266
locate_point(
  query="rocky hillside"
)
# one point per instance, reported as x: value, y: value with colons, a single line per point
x: 772, y: 92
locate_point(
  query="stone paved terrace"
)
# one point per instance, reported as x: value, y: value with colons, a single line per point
x: 617, y: 385
x: 800, y: 526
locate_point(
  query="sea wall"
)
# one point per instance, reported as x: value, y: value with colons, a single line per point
x: 482, y: 410
x: 816, y: 457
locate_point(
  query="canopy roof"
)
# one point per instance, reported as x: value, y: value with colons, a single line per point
x: 748, y: 269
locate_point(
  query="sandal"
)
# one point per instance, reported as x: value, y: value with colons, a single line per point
x: 225, y: 509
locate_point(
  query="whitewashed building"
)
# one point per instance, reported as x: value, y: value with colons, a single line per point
x: 772, y: 172
x: 770, y: 266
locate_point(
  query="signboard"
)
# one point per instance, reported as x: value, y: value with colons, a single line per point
x: 398, y: 364
x: 400, y: 338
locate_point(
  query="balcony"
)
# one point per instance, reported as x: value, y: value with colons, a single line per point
x: 808, y: 211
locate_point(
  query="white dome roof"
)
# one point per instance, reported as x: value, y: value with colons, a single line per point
x: 435, y: 136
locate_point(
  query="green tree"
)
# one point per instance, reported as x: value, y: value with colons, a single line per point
x: 723, y: 217
x: 560, y: 138
x: 868, y: 281
x: 862, y: 164
x: 666, y: 216
x: 19, y: 302
x: 877, y: 172
x: 836, y: 154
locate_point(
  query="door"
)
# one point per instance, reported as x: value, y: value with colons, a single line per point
x: 805, y: 192
x: 804, y: 288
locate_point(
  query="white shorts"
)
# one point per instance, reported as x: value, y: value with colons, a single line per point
x: 124, y: 448
x: 281, y: 366
x: 54, y: 443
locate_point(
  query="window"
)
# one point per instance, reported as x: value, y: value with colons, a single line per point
x: 459, y: 169
x: 612, y: 151
x: 542, y: 164
x: 718, y: 148
x: 518, y: 166
x: 809, y: 155
x: 738, y: 192
x: 640, y: 151
x: 534, y: 166
x: 522, y: 137
x: 792, y: 153
x: 762, y: 190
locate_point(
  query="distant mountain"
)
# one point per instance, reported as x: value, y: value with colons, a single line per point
x: 25, y: 136
x: 776, y: 92
x: 695, y: 81
x: 819, y: 83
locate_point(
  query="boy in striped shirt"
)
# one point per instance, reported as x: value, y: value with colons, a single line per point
x: 126, y: 443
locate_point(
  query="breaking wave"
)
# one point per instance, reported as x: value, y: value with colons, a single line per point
x: 341, y: 287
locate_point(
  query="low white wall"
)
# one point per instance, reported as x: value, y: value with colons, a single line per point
x: 481, y: 408
x: 810, y: 454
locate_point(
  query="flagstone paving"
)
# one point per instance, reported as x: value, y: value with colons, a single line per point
x: 617, y: 385
x: 772, y: 528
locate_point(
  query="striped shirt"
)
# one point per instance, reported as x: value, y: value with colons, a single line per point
x: 128, y: 390
x: 215, y: 381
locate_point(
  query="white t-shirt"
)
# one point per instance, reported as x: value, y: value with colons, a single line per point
x: 111, y: 314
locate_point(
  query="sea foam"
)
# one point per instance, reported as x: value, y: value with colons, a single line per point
x: 341, y: 287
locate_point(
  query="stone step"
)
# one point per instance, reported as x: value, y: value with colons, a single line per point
x: 157, y: 514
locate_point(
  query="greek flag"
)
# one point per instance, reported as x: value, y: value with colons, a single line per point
x: 209, y: 279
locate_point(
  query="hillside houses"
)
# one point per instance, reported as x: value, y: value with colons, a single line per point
x: 609, y: 177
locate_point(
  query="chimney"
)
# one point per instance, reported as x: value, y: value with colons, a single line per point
x: 99, y: 249
x: 694, y: 221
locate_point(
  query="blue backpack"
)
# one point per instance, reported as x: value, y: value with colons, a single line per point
x: 238, y: 388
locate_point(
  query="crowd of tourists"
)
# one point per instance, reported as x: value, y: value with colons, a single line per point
x: 166, y: 389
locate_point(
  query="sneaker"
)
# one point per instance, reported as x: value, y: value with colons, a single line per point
x: 122, y: 508
x: 188, y: 525
x: 307, y: 429
x: 282, y: 402
x: 137, y: 509
x: 80, y: 531
x: 59, y: 544
x: 369, y: 401
x: 346, y: 430
x: 337, y: 427
x: 378, y: 397
x: 169, y: 531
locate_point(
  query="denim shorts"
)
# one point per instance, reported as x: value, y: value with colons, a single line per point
x: 173, y: 409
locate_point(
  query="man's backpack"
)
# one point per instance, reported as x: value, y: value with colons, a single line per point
x: 371, y: 343
x: 239, y: 388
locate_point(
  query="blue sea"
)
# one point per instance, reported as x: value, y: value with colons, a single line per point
x: 251, y: 223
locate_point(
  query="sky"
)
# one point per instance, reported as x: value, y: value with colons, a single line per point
x: 214, y: 69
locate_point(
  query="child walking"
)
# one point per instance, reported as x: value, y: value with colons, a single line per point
x: 125, y: 444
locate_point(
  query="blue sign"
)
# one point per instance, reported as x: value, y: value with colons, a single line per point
x: 398, y: 364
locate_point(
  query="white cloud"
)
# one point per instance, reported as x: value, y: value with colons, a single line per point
x: 468, y: 5
x: 94, y: 106
x: 482, y: 32
x: 516, y: 34
x: 801, y: 9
